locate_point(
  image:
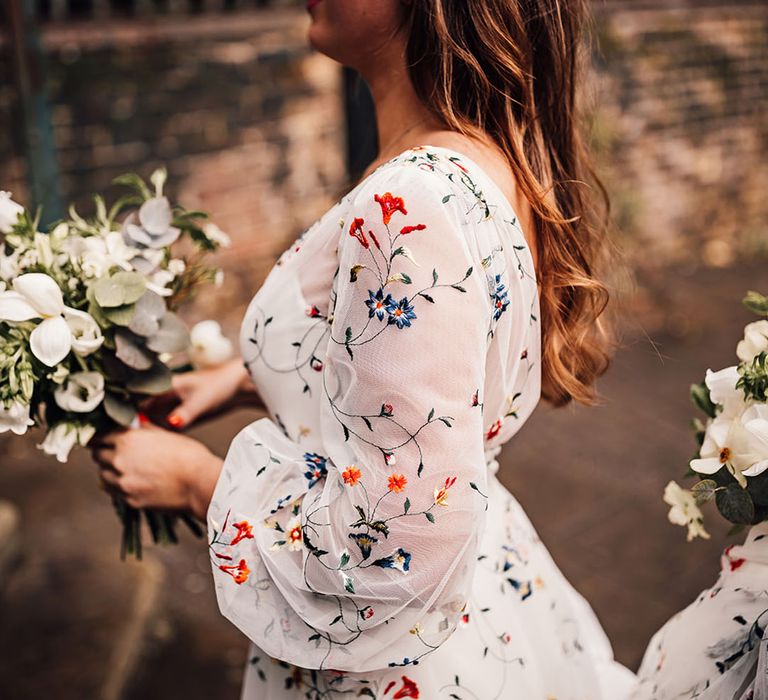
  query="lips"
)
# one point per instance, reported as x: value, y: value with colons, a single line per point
x: 311, y: 4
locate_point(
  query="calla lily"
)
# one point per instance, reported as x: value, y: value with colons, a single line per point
x: 9, y: 212
x: 82, y: 393
x: 15, y: 418
x: 62, y: 437
x: 36, y: 295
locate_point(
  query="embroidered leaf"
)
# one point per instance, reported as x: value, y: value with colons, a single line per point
x: 405, y: 278
x: 418, y: 471
x: 459, y: 287
x: 431, y: 413
x: 348, y: 584
x: 367, y: 422
x: 468, y: 272
x: 346, y: 432
x: 430, y: 517
x: 344, y: 559
x: 427, y: 297
x: 447, y: 198
x: 269, y: 320
x: 740, y: 620
x: 313, y: 637
x: 407, y: 505
x: 434, y: 276
x: 336, y: 619
x: 353, y: 272
x: 380, y: 526
x: 445, y: 420
x: 361, y: 512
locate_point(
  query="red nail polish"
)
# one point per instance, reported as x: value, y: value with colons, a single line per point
x: 175, y: 420
x: 143, y: 420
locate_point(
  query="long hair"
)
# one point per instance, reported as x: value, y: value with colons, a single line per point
x: 510, y: 70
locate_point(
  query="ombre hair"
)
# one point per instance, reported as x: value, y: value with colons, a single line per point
x: 511, y: 70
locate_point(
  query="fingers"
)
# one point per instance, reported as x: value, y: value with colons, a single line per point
x: 105, y: 458
x: 105, y: 439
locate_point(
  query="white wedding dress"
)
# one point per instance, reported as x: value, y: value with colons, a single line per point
x: 359, y: 536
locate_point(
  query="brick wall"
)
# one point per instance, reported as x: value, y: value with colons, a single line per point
x: 682, y: 127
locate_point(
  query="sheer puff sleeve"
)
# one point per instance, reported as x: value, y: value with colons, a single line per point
x: 361, y: 556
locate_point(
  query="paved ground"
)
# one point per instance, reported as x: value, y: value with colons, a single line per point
x: 591, y: 480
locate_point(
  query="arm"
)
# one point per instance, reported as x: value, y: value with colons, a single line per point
x: 360, y: 555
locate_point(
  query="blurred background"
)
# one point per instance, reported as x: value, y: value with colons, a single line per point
x: 265, y: 134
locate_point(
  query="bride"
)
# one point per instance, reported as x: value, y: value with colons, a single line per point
x: 358, y: 534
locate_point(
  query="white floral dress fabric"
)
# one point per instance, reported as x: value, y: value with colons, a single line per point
x: 358, y: 534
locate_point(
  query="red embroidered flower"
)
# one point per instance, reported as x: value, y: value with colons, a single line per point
x: 356, y: 231
x: 241, y: 568
x: 387, y: 409
x: 367, y: 612
x: 316, y: 364
x: 493, y: 431
x: 409, y: 689
x: 389, y: 205
x: 397, y: 482
x: 374, y: 239
x: 244, y: 531
x: 475, y: 397
x: 313, y: 311
x: 410, y: 229
x: 442, y: 494
x: 351, y: 475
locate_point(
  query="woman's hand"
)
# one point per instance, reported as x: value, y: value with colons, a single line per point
x: 155, y: 468
x: 203, y: 392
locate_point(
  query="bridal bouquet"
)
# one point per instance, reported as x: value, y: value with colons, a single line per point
x: 88, y: 322
x: 732, y: 460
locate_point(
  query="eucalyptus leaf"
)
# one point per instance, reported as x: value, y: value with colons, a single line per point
x: 120, y: 411
x: 131, y: 350
x: 120, y: 315
x: 735, y: 504
x: 150, y: 308
x: 704, y: 491
x: 172, y: 336
x: 156, y: 380
x: 121, y: 288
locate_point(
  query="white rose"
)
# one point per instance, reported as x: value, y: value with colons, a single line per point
x: 755, y: 341
x: 15, y: 418
x: 684, y: 510
x: 208, y: 345
x: 82, y: 392
x: 9, y: 212
x: 62, y: 437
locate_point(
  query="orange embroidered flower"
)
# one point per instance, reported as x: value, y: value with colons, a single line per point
x: 493, y: 431
x: 244, y: 531
x: 351, y: 475
x: 442, y: 494
x: 411, y: 229
x: 239, y: 572
x: 397, y: 482
x: 389, y: 205
x: 356, y: 231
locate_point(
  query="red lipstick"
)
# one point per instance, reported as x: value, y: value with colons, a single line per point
x: 311, y: 4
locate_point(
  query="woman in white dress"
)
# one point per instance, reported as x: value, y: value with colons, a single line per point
x: 358, y: 534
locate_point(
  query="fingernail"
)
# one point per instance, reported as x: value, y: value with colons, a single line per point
x: 175, y: 420
x: 143, y: 420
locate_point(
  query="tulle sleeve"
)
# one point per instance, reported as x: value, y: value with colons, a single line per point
x: 361, y: 556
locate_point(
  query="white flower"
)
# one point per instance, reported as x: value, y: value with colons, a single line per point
x: 9, y: 266
x: 684, y: 510
x: 214, y: 234
x: 208, y: 345
x: 740, y: 443
x: 9, y: 212
x: 755, y: 341
x: 82, y: 393
x: 154, y: 229
x: 99, y: 254
x: 723, y: 391
x: 62, y: 437
x: 15, y: 418
x: 36, y: 295
x: 176, y: 266
x: 157, y: 282
x: 59, y: 374
x: 86, y: 334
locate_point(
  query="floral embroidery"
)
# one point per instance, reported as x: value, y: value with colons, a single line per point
x: 244, y: 531
x: 397, y: 482
x: 441, y: 494
x: 351, y: 475
x: 356, y: 231
x: 500, y: 298
x: 389, y: 205
x: 239, y: 572
x: 316, y: 468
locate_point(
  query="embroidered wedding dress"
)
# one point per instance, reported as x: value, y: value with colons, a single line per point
x: 359, y: 536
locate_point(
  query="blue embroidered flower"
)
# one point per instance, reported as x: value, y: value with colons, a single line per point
x: 316, y: 468
x: 500, y: 299
x: 401, y: 313
x: 364, y: 541
x: 399, y: 559
x: 378, y: 304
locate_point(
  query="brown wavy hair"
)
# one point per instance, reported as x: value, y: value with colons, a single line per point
x: 511, y: 70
